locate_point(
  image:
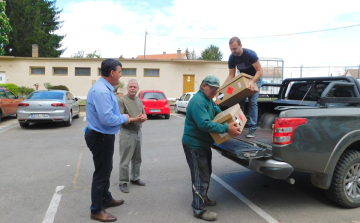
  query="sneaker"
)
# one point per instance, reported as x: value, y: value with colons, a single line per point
x: 251, y: 133
x: 124, y: 188
x: 209, y: 202
x: 207, y: 216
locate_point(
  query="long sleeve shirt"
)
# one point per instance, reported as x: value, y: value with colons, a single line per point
x: 198, y: 123
x: 102, y: 110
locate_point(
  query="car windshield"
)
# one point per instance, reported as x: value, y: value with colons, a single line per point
x: 154, y: 95
x: 46, y: 95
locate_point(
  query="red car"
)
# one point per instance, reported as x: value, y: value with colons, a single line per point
x: 8, y: 102
x: 155, y: 103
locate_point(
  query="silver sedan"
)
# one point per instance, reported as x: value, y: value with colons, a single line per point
x: 48, y: 106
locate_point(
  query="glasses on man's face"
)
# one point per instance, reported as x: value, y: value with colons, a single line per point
x: 212, y: 88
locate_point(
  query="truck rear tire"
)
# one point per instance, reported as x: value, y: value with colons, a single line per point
x: 345, y: 186
x: 267, y: 119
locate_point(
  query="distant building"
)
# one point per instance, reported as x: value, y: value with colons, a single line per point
x: 164, y: 56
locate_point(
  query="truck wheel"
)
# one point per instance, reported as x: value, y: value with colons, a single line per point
x: 345, y: 186
x: 267, y: 119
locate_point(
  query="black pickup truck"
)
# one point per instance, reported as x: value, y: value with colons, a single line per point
x: 313, y: 126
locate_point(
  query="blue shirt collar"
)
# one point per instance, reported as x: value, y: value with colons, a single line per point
x: 107, y: 84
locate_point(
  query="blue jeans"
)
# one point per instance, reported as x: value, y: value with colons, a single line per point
x: 199, y: 161
x: 253, y: 107
x: 102, y: 148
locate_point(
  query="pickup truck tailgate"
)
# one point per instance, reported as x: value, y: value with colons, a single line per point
x: 247, y: 148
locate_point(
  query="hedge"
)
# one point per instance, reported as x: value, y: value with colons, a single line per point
x: 12, y: 87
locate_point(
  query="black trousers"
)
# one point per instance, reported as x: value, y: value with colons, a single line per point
x: 199, y: 161
x: 102, y: 148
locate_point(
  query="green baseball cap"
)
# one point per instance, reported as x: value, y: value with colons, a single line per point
x: 212, y: 81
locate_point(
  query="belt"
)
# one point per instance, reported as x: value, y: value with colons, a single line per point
x: 96, y: 132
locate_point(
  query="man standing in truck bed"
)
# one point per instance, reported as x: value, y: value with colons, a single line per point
x: 246, y: 61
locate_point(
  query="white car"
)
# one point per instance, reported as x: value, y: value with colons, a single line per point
x: 182, y: 102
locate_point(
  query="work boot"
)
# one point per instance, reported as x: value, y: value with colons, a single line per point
x: 209, y: 202
x: 207, y: 216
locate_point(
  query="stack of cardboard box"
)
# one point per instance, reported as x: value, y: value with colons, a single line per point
x: 230, y: 94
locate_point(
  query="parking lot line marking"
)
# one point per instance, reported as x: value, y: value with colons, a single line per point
x: 84, y: 119
x: 178, y: 116
x: 51, y: 211
x: 8, y: 127
x: 77, y: 171
x: 251, y: 205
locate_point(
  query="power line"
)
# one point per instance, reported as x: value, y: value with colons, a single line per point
x: 258, y: 37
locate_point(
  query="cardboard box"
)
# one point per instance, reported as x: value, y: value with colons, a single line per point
x: 235, y: 90
x: 232, y: 114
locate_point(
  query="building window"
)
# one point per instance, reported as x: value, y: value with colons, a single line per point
x: 37, y: 70
x: 151, y: 72
x: 60, y: 71
x: 82, y: 71
x: 99, y: 71
x: 128, y: 72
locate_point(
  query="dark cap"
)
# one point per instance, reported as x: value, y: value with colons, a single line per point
x: 212, y: 81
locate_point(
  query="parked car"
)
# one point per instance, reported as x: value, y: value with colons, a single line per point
x: 48, y: 106
x: 8, y: 102
x: 155, y: 103
x: 182, y: 102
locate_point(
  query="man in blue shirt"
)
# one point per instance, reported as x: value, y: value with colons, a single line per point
x: 104, y: 121
x: 246, y: 61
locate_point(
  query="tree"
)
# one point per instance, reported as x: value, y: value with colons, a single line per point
x: 211, y: 53
x: 190, y: 55
x: 93, y: 55
x: 5, y: 28
x: 34, y: 22
x: 81, y: 53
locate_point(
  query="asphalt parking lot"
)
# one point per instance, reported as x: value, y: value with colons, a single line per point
x: 46, y: 172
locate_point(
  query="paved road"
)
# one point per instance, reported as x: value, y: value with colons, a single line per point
x: 37, y: 161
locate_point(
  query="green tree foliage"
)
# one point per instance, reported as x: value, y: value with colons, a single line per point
x: 81, y: 53
x: 5, y: 28
x: 34, y: 22
x: 25, y: 91
x: 95, y: 54
x: 190, y: 55
x: 12, y: 87
x: 211, y: 53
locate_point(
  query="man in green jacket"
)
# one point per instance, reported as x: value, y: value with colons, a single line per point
x: 197, y: 143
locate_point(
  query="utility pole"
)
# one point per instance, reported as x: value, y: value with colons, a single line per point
x: 145, y: 45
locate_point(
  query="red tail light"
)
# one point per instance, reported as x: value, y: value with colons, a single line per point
x: 23, y: 104
x: 284, y: 129
x: 58, y: 105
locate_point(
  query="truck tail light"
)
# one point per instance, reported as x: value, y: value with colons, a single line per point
x: 23, y: 104
x: 58, y: 105
x: 284, y: 129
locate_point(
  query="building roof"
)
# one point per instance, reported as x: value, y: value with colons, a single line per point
x: 161, y: 56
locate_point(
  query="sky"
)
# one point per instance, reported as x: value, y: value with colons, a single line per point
x: 118, y: 27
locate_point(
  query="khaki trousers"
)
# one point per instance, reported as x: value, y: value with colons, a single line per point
x: 130, y: 151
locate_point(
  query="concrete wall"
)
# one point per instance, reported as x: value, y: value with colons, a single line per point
x: 17, y: 70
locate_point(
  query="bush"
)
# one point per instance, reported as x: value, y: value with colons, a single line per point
x: 47, y: 85
x: 12, y: 87
x: 59, y: 87
x: 25, y: 91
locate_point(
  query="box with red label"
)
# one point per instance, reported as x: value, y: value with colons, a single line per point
x: 235, y: 90
x: 232, y: 114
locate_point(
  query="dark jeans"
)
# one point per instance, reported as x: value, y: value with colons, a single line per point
x: 199, y: 161
x: 102, y: 148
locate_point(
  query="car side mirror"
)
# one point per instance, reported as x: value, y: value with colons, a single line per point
x: 76, y: 99
x: 177, y: 99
